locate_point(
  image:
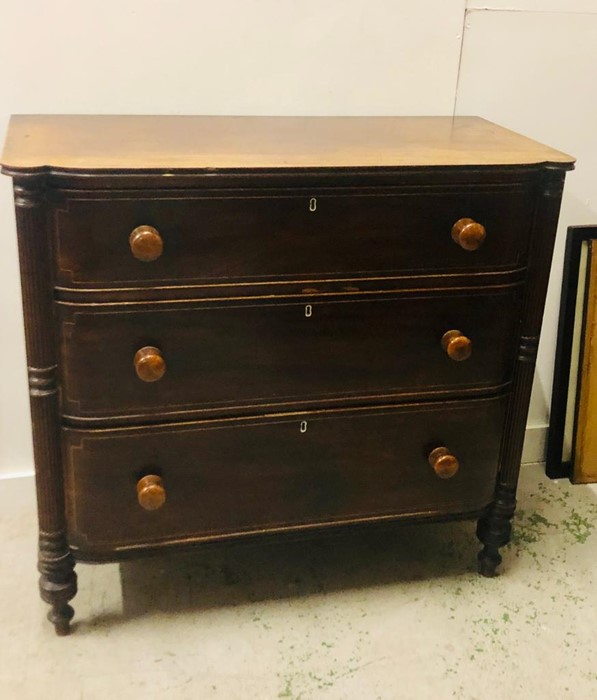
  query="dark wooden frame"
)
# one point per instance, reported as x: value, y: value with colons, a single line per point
x: 555, y: 466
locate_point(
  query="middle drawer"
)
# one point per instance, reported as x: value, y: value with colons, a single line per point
x: 153, y: 360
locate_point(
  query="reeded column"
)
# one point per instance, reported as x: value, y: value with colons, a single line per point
x: 58, y: 581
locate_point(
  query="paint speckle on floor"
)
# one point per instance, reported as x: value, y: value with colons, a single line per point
x: 383, y: 615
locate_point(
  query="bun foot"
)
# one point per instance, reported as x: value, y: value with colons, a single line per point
x: 60, y: 616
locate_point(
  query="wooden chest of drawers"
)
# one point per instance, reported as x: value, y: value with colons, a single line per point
x: 244, y: 325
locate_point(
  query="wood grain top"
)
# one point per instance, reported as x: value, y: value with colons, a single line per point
x: 94, y: 142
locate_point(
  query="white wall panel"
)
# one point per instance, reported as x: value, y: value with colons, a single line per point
x: 199, y: 56
x: 536, y: 73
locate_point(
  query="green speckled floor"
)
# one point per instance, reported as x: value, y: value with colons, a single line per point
x: 371, y: 617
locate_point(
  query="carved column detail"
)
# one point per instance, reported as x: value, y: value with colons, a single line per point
x: 540, y: 252
x: 527, y: 350
x: 494, y: 529
x: 58, y: 583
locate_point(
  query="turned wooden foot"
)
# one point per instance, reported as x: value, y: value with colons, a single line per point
x: 493, y: 531
x: 60, y: 616
x: 58, y: 580
x: 488, y: 560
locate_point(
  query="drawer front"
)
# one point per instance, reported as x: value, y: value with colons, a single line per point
x: 229, y: 477
x: 234, y: 355
x: 233, y: 239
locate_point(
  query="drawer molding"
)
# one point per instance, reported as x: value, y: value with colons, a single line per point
x: 300, y: 289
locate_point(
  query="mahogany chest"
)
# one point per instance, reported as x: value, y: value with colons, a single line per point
x: 247, y: 325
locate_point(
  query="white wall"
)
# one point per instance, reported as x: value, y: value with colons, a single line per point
x: 290, y: 57
x: 534, y: 70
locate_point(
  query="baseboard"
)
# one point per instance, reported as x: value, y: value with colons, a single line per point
x: 535, y: 439
x: 17, y: 475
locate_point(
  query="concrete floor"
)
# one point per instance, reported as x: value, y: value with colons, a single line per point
x: 373, y: 616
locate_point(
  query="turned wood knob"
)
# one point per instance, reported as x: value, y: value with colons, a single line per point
x: 151, y: 493
x: 468, y: 234
x: 457, y: 346
x: 444, y: 464
x: 146, y: 243
x: 150, y: 365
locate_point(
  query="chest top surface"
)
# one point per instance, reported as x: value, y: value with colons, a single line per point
x: 200, y: 143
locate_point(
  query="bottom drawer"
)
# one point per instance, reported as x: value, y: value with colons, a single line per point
x: 229, y: 477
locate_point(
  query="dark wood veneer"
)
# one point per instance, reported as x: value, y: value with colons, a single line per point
x: 291, y: 352
x: 241, y: 475
x: 244, y: 237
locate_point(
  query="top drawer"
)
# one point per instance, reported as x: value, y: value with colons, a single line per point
x: 212, y: 239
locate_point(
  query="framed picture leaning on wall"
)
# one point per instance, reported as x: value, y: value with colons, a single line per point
x: 572, y: 437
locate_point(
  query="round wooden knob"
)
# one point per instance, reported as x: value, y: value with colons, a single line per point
x: 146, y: 243
x: 444, y: 464
x: 151, y: 493
x: 150, y: 365
x: 468, y: 234
x: 457, y: 346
